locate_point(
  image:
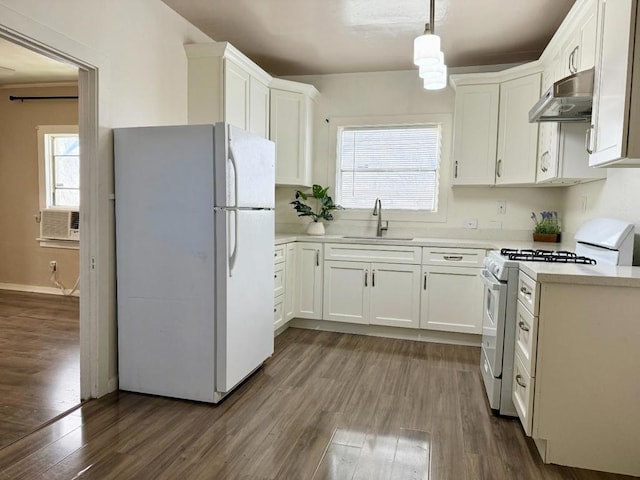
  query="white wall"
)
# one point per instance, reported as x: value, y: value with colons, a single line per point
x: 400, y: 93
x: 137, y: 47
x: 618, y: 197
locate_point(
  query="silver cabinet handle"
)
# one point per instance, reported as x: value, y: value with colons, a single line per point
x: 317, y: 258
x: 525, y: 291
x: 373, y: 278
x: 455, y: 174
x: 499, y: 168
x: 572, y: 60
x: 453, y: 258
x: 520, y: 382
x: 366, y: 275
x: 275, y: 276
x: 587, y: 140
x: 523, y: 326
x: 424, y: 284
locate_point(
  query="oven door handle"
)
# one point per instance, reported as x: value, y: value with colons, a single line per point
x: 489, y: 280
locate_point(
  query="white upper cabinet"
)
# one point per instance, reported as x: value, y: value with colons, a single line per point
x: 291, y: 128
x: 475, y: 133
x: 517, y: 138
x: 494, y: 143
x: 579, y: 46
x: 616, y: 106
x: 226, y: 86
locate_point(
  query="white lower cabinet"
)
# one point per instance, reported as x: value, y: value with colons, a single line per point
x: 372, y: 293
x: 278, y: 317
x: 309, y: 275
x: 451, y: 299
x: 347, y: 292
x: 290, y: 282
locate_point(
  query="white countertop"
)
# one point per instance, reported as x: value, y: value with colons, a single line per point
x: 417, y: 241
x: 605, y: 275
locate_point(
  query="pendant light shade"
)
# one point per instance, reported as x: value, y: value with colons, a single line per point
x: 428, y: 56
x: 426, y: 50
x: 436, y: 80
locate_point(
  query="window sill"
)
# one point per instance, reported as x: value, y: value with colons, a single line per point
x: 67, y: 244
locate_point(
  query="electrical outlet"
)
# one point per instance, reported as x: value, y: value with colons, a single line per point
x: 53, y: 266
x: 471, y: 223
x: 502, y: 207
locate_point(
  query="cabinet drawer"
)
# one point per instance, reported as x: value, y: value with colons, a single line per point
x: 372, y: 253
x: 278, y: 280
x: 278, y: 309
x: 526, y: 338
x: 528, y: 292
x: 460, y: 257
x: 279, y: 253
x: 523, y: 388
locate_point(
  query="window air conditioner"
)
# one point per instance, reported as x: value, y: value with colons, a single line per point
x: 57, y: 224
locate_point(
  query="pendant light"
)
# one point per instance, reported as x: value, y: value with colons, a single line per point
x: 428, y: 56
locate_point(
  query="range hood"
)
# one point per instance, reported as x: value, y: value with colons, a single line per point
x: 568, y: 100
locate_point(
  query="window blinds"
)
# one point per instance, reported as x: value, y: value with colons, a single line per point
x: 399, y: 164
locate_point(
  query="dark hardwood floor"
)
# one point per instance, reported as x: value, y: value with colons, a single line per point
x: 39, y: 361
x: 325, y: 406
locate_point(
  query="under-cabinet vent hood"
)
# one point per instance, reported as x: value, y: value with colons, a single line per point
x: 568, y: 100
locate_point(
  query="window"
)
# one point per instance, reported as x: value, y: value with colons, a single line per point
x: 397, y: 163
x: 59, y: 165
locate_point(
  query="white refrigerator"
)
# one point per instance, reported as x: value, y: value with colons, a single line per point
x: 194, y: 248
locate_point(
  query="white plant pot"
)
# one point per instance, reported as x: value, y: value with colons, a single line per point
x: 315, y: 228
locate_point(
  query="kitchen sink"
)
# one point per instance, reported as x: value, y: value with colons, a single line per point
x: 373, y: 237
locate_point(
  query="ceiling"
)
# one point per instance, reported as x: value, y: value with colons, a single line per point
x: 20, y: 65
x: 297, y: 37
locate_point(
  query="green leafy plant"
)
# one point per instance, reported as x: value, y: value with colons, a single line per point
x: 323, y: 202
x: 548, y: 222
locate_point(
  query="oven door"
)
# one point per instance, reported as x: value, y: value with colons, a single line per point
x: 493, y: 320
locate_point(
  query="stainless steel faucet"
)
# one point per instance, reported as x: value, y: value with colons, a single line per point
x: 377, y: 212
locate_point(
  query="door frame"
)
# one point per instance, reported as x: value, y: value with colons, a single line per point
x: 97, y: 299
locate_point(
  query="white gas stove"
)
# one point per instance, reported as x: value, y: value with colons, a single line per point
x: 598, y: 241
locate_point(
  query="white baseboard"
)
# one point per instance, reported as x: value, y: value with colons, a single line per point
x: 35, y: 289
x: 390, y: 332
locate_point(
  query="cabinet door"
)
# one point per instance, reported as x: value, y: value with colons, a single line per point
x: 547, y: 164
x: 587, y: 56
x: 451, y: 299
x: 291, y: 290
x: 258, y: 108
x: 612, y: 81
x: 395, y: 295
x: 347, y: 291
x: 309, y: 281
x: 236, y: 95
x: 517, y: 138
x: 288, y: 130
x: 475, y: 133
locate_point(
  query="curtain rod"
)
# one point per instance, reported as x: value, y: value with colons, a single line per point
x: 22, y: 99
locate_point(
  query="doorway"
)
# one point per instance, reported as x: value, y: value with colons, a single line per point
x: 39, y: 279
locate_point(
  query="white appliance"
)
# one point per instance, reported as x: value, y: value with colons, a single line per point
x: 599, y: 241
x: 59, y: 224
x: 194, y: 240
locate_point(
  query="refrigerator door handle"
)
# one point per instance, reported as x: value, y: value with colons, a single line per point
x: 232, y: 159
x: 233, y: 253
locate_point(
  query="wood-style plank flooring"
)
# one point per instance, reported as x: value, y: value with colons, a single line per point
x: 325, y: 406
x: 39, y: 361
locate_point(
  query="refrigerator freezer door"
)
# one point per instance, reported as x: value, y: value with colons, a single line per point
x: 245, y: 169
x: 244, y: 293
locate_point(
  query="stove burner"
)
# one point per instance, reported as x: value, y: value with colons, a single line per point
x: 530, y: 255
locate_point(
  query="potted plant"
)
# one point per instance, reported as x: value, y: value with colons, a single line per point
x: 547, y: 229
x: 324, y: 206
